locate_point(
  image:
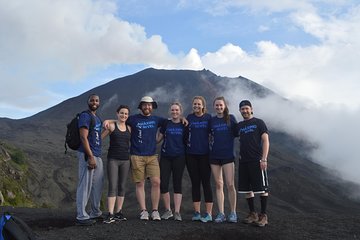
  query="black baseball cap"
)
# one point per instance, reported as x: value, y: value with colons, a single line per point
x: 245, y: 103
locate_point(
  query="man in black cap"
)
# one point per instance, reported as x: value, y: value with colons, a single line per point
x: 254, y: 149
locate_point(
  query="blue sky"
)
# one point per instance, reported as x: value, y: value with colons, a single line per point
x: 51, y: 50
x: 305, y: 50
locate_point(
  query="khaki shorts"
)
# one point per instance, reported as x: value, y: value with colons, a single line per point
x: 144, y: 166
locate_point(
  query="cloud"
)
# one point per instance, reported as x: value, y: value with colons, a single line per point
x: 54, y: 41
x: 325, y: 72
x: 332, y: 129
x: 46, y: 41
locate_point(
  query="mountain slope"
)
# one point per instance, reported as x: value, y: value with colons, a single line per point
x: 297, y: 184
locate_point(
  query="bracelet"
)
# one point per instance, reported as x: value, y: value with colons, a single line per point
x: 263, y: 160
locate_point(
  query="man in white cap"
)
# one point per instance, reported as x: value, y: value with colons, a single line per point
x: 144, y: 160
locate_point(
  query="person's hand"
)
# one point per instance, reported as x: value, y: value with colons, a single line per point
x: 263, y: 164
x: 91, y: 163
x: 184, y: 121
x: 107, y: 124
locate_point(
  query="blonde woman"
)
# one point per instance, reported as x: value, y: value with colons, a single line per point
x: 172, y: 160
x: 197, y: 158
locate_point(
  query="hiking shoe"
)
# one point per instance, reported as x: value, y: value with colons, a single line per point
x: 196, y: 216
x: 232, y: 217
x: 155, y: 215
x: 144, y: 215
x: 109, y: 219
x: 120, y: 216
x: 206, y: 218
x: 252, y: 217
x: 167, y: 214
x: 85, y: 222
x: 177, y: 216
x: 263, y: 220
x: 220, y: 218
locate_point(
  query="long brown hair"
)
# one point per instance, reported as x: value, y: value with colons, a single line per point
x: 226, y: 109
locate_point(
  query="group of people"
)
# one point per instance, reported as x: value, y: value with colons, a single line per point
x: 202, y: 143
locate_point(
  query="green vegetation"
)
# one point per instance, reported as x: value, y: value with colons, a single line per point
x: 13, y: 176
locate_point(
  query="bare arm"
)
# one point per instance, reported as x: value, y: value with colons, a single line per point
x: 106, y: 131
x: 108, y: 122
x: 159, y: 137
x: 84, y: 132
x: 265, y: 150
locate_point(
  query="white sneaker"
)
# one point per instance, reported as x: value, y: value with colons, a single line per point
x: 177, y: 216
x: 144, y: 215
x: 155, y: 215
x: 167, y: 214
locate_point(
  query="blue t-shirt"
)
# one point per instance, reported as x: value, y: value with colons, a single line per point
x: 173, y: 144
x: 143, y: 134
x: 198, y: 134
x: 94, y: 136
x: 250, y: 132
x: 222, y: 138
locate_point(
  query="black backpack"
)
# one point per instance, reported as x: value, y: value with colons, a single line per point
x: 13, y: 228
x: 72, y: 137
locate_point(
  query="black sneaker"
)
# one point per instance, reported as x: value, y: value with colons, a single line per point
x: 85, y: 222
x: 120, y: 216
x: 109, y: 219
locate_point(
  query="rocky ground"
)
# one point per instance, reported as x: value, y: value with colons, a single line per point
x: 51, y: 224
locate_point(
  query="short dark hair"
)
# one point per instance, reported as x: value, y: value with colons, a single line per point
x: 92, y: 95
x: 121, y: 107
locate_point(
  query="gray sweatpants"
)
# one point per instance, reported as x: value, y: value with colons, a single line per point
x: 90, y: 186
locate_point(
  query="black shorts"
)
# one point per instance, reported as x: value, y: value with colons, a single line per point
x: 221, y: 162
x: 252, y: 178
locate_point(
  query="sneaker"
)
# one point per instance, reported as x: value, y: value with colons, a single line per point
x: 263, y: 220
x: 196, y: 216
x: 120, y: 216
x: 232, y: 217
x: 109, y: 219
x: 206, y: 218
x: 85, y: 222
x: 100, y: 218
x: 167, y: 214
x: 144, y: 215
x: 177, y: 216
x: 220, y: 218
x: 155, y: 215
x: 252, y: 217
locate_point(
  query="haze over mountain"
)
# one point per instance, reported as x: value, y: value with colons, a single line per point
x: 298, y: 184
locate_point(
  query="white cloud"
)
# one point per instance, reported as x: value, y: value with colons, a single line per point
x: 46, y: 41
x: 49, y: 41
x: 263, y: 28
x: 331, y: 128
x: 324, y: 72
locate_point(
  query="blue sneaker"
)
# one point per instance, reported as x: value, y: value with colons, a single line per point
x: 232, y: 217
x: 220, y: 218
x: 206, y: 218
x: 196, y: 216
